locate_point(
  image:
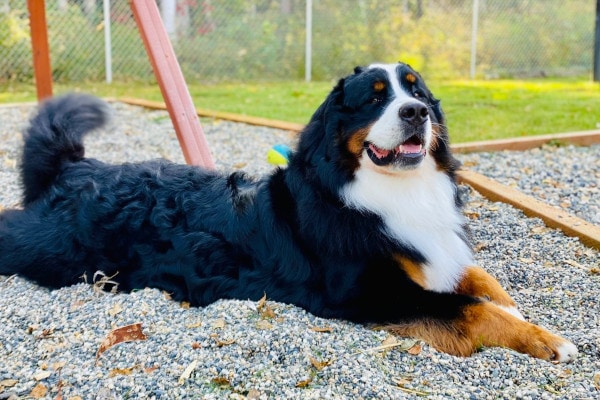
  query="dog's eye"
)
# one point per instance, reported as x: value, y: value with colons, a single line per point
x: 376, y: 99
x: 418, y: 94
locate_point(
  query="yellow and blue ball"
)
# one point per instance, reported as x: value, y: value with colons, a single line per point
x: 279, y: 154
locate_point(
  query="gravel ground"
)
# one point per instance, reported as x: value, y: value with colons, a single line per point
x: 49, y: 340
x: 567, y: 177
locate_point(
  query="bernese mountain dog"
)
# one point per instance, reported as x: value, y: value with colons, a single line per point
x: 364, y: 224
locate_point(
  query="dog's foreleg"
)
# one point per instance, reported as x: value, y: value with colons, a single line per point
x: 476, y: 282
x: 485, y: 324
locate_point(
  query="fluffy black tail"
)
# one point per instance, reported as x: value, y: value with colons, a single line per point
x: 55, y: 136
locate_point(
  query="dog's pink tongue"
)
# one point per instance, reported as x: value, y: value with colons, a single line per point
x: 380, y: 153
x: 410, y: 148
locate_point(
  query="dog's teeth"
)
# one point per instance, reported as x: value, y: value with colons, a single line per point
x: 410, y: 148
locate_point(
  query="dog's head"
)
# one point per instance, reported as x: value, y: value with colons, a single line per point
x: 382, y: 117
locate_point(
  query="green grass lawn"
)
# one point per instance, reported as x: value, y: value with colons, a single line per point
x: 475, y: 110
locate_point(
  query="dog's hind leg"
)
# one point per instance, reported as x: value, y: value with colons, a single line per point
x: 38, y: 250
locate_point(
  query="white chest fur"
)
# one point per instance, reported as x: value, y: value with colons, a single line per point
x: 418, y: 209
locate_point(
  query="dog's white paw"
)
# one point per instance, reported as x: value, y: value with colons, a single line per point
x: 566, y: 352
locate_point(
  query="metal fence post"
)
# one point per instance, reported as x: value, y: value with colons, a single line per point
x: 474, y: 29
x: 107, y: 42
x: 597, y: 44
x: 308, y: 43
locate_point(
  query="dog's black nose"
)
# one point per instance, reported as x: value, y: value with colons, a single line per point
x: 414, y: 113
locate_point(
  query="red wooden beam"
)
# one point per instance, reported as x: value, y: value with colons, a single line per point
x: 172, y: 84
x: 40, y: 49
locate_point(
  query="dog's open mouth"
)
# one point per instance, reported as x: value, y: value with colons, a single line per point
x: 409, y: 152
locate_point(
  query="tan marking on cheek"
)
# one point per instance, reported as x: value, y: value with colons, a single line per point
x: 435, y: 134
x: 483, y: 324
x: 478, y: 283
x: 412, y: 269
x: 411, y: 77
x: 356, y: 142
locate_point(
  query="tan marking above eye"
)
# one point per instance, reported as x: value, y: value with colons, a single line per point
x: 378, y: 86
x: 411, y: 77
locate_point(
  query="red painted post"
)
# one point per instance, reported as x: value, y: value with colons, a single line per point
x: 172, y: 84
x: 40, y: 48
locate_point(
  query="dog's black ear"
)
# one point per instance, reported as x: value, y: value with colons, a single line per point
x: 334, y: 98
x: 314, y: 141
x: 358, y: 70
x: 436, y: 107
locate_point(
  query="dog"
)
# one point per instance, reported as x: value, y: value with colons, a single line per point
x: 364, y: 224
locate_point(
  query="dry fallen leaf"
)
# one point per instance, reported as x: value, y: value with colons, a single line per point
x: 221, y: 381
x: 187, y: 372
x: 8, y: 382
x: 319, y: 365
x: 126, y: 333
x: 185, y: 305
x: 479, y: 246
x: 324, y: 329
x: 391, y: 342
x: 415, y: 350
x: 540, y: 229
x: 264, y: 325
x: 151, y: 369
x: 46, y: 333
x: 221, y: 343
x: 38, y: 391
x: 121, y: 371
x: 402, y: 381
x: 574, y: 263
x: 219, y: 324
x: 196, y: 345
x: 596, y: 380
x: 413, y: 391
x: 253, y: 394
x: 42, y: 375
x: 197, y: 324
x: 264, y: 310
x: 58, y: 365
x: 261, y: 302
x: 114, y: 310
x: 303, y: 383
x: 551, y: 389
x: 471, y: 214
x: 59, y: 388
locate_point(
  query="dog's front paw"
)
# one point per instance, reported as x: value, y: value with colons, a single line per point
x: 542, y: 344
x: 491, y: 325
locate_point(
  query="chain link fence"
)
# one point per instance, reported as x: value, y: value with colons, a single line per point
x: 254, y: 40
